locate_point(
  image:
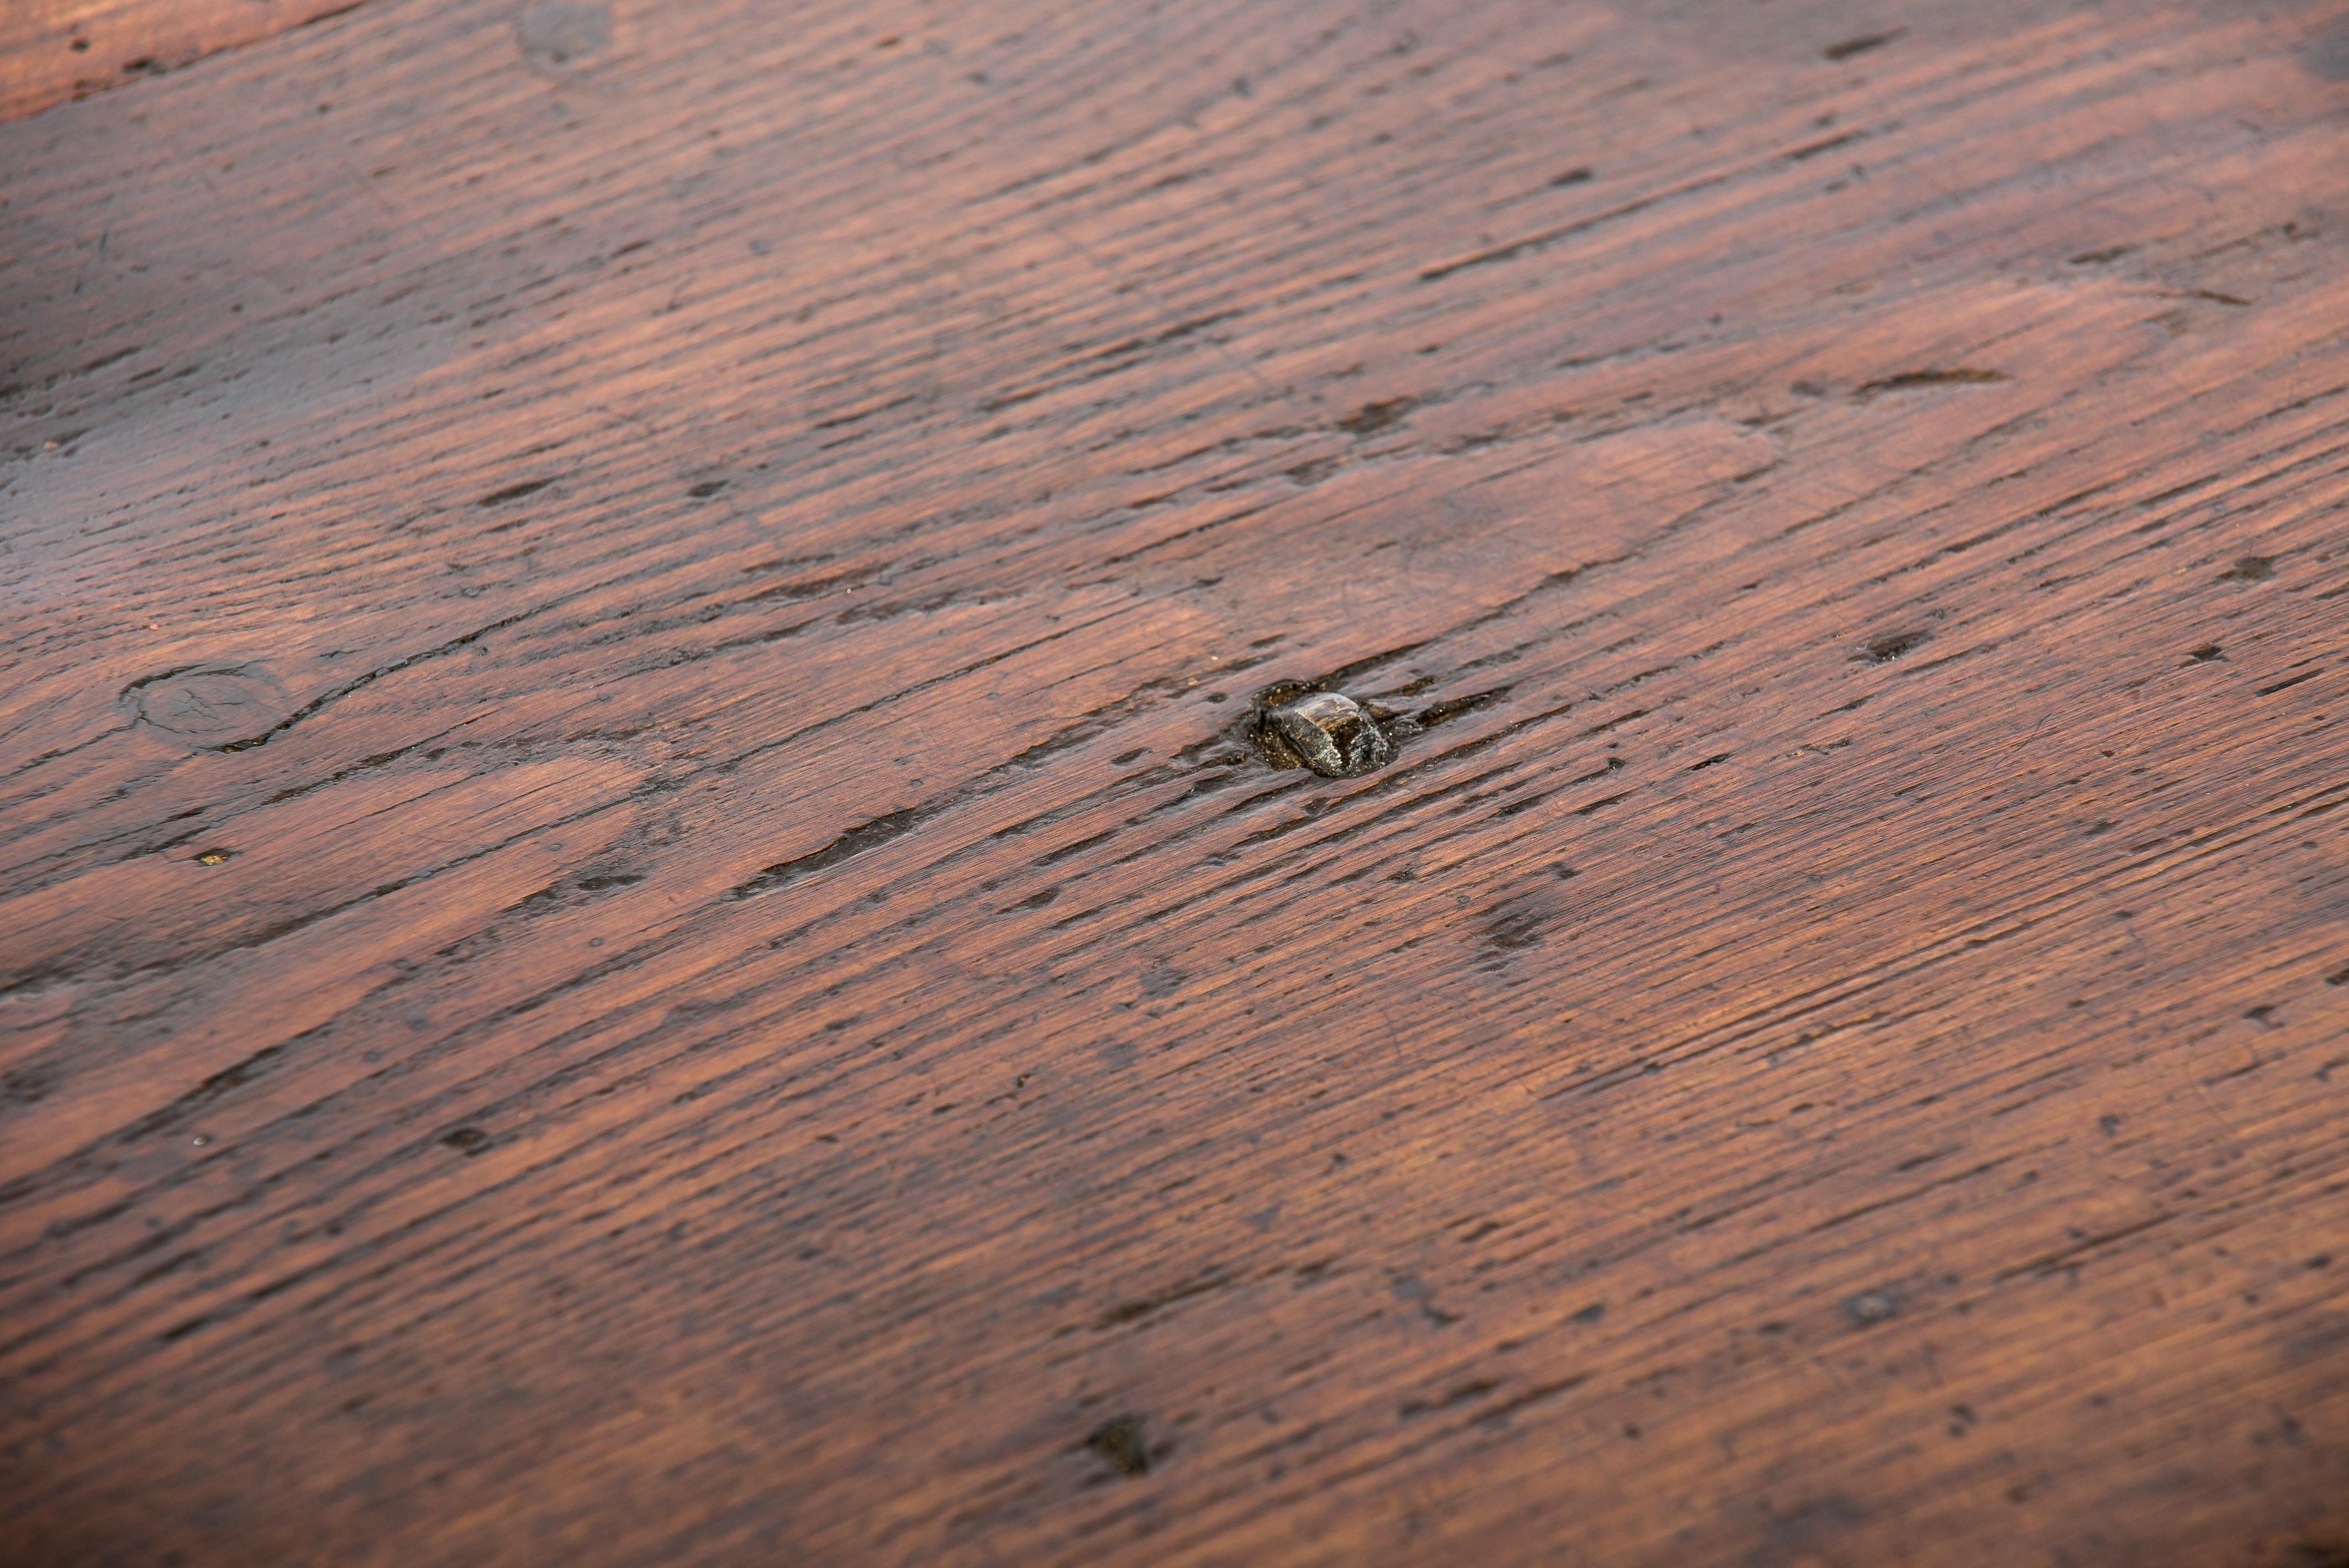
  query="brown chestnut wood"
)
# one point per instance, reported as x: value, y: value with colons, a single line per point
x: 638, y: 932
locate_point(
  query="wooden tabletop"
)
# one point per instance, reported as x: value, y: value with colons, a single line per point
x: 646, y: 923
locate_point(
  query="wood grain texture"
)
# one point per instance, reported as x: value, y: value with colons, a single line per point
x: 638, y: 932
x: 54, y: 50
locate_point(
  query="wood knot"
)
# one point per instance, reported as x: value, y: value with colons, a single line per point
x: 213, y: 707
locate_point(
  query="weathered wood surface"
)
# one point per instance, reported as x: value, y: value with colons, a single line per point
x: 633, y: 933
x: 52, y: 50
